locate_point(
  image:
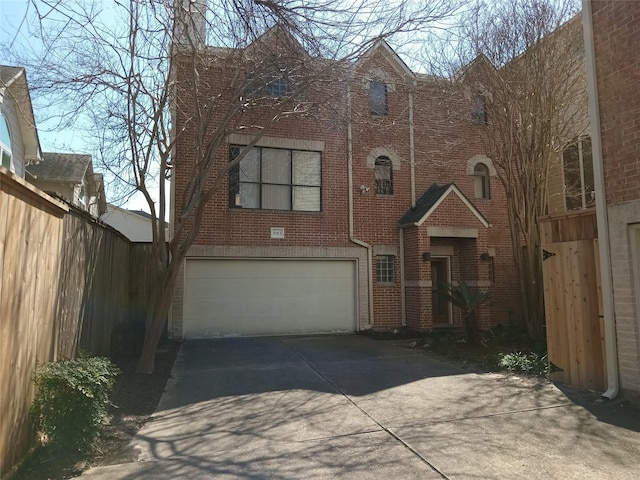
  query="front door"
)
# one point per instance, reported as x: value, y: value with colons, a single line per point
x: 440, y: 278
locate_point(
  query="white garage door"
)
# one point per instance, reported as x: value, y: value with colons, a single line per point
x: 268, y: 297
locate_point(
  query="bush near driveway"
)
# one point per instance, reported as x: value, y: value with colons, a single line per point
x: 72, y: 399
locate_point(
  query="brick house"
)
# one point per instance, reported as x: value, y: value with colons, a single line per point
x: 612, y: 36
x: 348, y: 220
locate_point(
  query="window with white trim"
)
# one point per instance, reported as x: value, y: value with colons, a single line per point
x: 579, y: 185
x: 384, y: 268
x: 5, y: 144
x: 276, y: 179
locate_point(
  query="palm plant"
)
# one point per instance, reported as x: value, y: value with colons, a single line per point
x: 469, y: 301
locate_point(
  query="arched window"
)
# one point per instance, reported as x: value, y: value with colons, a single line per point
x: 384, y: 176
x: 5, y: 143
x: 481, y: 180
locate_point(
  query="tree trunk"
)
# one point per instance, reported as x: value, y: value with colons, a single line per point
x: 157, y: 315
x: 471, y: 328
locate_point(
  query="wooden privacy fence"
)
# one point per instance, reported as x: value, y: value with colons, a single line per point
x: 31, y: 229
x: 65, y: 284
x: 573, y: 300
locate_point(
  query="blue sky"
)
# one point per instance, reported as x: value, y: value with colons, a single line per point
x: 13, y: 28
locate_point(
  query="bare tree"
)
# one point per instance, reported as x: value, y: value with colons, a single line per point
x: 524, y: 72
x: 137, y: 68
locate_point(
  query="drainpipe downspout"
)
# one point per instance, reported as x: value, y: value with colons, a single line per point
x: 403, y: 305
x: 611, y: 350
x: 412, y: 150
x: 350, y: 202
x: 412, y: 170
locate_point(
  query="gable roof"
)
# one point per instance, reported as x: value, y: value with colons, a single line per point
x: 137, y: 213
x: 390, y: 55
x: 61, y: 167
x: 13, y: 83
x: 275, y: 39
x: 431, y: 200
x: 479, y: 63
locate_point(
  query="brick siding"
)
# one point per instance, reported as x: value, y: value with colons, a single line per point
x: 617, y: 36
x: 445, y: 142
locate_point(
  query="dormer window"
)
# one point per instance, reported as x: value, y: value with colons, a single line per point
x: 5, y: 143
x: 384, y: 176
x: 377, y: 98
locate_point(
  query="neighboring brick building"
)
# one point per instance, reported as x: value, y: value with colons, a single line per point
x: 616, y: 36
x: 347, y: 221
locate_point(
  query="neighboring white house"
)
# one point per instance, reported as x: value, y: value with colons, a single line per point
x: 134, y: 224
x: 71, y: 176
x: 19, y: 144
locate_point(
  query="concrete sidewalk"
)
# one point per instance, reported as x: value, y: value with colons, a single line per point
x: 351, y: 407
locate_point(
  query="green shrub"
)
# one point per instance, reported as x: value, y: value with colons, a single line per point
x: 72, y: 399
x: 532, y: 363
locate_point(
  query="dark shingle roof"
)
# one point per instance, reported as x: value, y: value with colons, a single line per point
x: 61, y: 167
x: 424, y: 203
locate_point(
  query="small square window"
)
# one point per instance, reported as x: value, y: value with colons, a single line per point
x: 384, y: 268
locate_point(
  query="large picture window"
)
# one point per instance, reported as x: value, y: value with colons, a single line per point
x: 276, y: 179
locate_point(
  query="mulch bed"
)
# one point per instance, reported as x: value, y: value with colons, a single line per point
x: 134, y: 398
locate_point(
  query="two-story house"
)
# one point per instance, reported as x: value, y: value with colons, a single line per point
x: 347, y: 218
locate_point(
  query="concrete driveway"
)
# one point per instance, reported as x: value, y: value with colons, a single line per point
x: 350, y: 407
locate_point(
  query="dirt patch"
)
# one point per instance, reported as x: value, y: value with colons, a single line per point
x: 135, y: 397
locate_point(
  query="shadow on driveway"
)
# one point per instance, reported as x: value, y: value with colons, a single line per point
x: 352, y: 407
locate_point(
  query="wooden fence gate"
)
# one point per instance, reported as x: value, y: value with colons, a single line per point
x: 573, y: 300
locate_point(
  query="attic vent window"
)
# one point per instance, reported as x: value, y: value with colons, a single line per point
x: 277, y: 88
x: 377, y: 98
